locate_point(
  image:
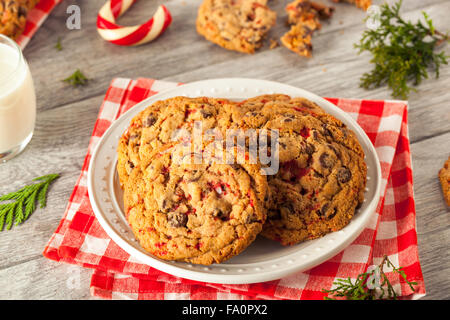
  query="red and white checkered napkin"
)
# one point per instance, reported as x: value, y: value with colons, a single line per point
x: 35, y: 19
x: 79, y: 239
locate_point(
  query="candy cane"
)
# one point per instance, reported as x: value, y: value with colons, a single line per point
x: 134, y: 35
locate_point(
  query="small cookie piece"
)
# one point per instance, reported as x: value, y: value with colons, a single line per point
x: 362, y: 4
x: 444, y: 177
x: 197, y: 213
x: 239, y: 25
x: 298, y: 39
x: 13, y: 16
x: 303, y: 16
x: 300, y: 11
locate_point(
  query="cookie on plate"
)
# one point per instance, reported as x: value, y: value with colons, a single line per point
x: 163, y: 121
x: 444, y: 177
x: 322, y: 174
x: 239, y: 25
x: 13, y: 16
x: 198, y: 213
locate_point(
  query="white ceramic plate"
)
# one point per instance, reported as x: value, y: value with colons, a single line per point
x: 263, y: 260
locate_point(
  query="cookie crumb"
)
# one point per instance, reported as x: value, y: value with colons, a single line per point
x: 273, y: 44
x: 444, y: 177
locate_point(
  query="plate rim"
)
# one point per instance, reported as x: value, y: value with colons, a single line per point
x: 230, y: 278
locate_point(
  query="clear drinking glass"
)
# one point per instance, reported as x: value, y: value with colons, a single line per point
x: 17, y: 100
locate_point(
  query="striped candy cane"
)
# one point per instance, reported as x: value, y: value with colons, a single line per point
x: 133, y: 35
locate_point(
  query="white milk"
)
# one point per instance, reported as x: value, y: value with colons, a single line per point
x: 17, y: 100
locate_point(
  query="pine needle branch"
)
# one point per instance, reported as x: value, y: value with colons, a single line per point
x: 402, y: 51
x: 372, y: 285
x: 22, y: 203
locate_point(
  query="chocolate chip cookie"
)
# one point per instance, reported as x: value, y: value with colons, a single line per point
x: 172, y: 119
x: 197, y: 213
x: 13, y: 16
x: 322, y: 173
x: 444, y: 177
x: 239, y: 25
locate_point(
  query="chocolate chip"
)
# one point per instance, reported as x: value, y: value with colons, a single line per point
x: 326, y: 131
x: 315, y: 135
x: 22, y: 11
x: 177, y: 219
x: 318, y: 174
x: 236, y: 166
x: 206, y: 114
x: 336, y: 151
x: 165, y: 206
x: 149, y: 121
x: 129, y: 167
x: 252, y: 219
x: 325, y: 160
x: 288, y: 120
x: 307, y: 32
x: 274, y: 214
x: 323, y: 211
x: 218, y: 213
x: 134, y: 136
x: 344, y: 175
x: 309, y: 149
x: 195, y: 175
x: 331, y: 213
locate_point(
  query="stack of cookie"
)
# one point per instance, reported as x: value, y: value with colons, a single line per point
x: 208, y: 209
x: 13, y: 16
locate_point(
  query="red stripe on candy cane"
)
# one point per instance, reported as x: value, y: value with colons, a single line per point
x: 134, y: 35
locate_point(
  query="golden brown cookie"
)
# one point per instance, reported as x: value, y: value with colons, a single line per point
x: 159, y: 123
x: 298, y: 40
x: 13, y: 16
x: 444, y: 177
x: 322, y: 173
x: 198, y: 213
x: 239, y: 25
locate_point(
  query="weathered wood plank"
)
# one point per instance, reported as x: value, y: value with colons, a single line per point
x: 433, y: 218
x: 43, y: 279
x: 67, y: 115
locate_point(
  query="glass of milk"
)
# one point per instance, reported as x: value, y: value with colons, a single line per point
x: 17, y: 100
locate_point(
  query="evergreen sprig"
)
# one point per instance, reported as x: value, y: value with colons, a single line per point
x: 77, y: 79
x: 402, y: 51
x: 372, y: 285
x: 58, y: 45
x: 24, y: 201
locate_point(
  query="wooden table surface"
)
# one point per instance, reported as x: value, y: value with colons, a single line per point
x: 66, y: 117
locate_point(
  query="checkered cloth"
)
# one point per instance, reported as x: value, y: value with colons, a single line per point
x: 79, y: 238
x: 35, y: 19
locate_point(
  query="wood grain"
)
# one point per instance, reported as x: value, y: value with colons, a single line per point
x: 66, y: 118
